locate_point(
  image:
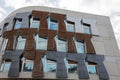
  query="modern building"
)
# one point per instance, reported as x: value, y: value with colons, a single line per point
x: 48, y: 43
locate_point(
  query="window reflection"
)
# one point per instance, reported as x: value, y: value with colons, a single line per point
x: 27, y: 65
x: 70, y: 26
x: 49, y: 65
x: 61, y: 44
x: 53, y: 25
x: 5, y: 66
x: 92, y: 69
x: 41, y: 43
x: 86, y: 29
x: 72, y: 68
x: 80, y: 46
x: 21, y: 42
x: 34, y: 22
x: 18, y: 23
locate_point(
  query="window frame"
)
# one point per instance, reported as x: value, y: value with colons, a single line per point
x: 59, y: 42
x: 55, y: 22
x: 2, y: 66
x: 34, y: 20
x: 18, y: 22
x: 69, y: 23
x: 94, y: 65
x: 88, y: 27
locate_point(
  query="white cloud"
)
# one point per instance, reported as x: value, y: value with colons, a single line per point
x: 2, y: 13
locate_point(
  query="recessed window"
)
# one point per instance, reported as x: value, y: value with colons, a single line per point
x: 4, y: 44
x: 72, y: 67
x: 91, y: 68
x: 34, y: 22
x: 49, y: 65
x: 80, y: 46
x: 86, y: 29
x: 27, y: 65
x: 61, y: 44
x: 70, y: 27
x: 5, y: 66
x: 18, y: 23
x: 21, y: 42
x: 53, y: 25
x: 41, y: 43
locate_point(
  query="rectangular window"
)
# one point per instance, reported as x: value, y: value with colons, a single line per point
x: 86, y: 29
x: 41, y: 43
x: 91, y: 68
x: 27, y: 65
x: 18, y: 23
x: 5, y: 66
x: 34, y: 22
x: 20, y: 43
x: 53, y: 25
x: 70, y: 27
x: 72, y: 68
x: 61, y: 45
x: 80, y: 47
x: 49, y: 65
x: 4, y: 44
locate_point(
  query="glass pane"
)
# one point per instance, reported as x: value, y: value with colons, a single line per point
x: 80, y: 47
x: 28, y: 66
x: 50, y: 67
x: 6, y: 66
x: 17, y: 24
x: 35, y: 24
x: 53, y: 25
x: 61, y: 45
x: 21, y: 43
x: 70, y: 27
x: 92, y: 69
x: 72, y: 68
x: 86, y: 29
x: 41, y: 43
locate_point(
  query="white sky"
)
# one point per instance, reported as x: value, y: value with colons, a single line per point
x: 109, y: 8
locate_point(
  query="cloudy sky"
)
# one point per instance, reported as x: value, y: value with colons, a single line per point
x: 109, y: 8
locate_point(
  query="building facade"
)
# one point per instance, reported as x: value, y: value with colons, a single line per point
x: 48, y: 43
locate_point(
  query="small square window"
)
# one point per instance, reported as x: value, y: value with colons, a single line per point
x: 86, y: 29
x: 41, y: 43
x: 18, y: 24
x: 91, y: 69
x: 20, y: 43
x: 70, y: 27
x: 27, y: 65
x: 53, y: 25
x: 80, y: 46
x: 5, y: 66
x: 72, y: 68
x: 61, y: 45
x: 34, y: 22
x: 49, y: 65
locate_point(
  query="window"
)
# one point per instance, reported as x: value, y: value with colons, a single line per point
x: 80, y: 47
x: 86, y: 29
x: 34, y: 22
x: 49, y: 65
x: 70, y: 27
x: 18, y: 23
x: 53, y: 25
x: 20, y: 42
x: 41, y: 43
x: 61, y: 45
x: 4, y: 44
x: 5, y: 66
x: 72, y: 68
x: 27, y: 65
x: 91, y: 68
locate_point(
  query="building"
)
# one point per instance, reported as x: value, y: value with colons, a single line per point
x: 47, y: 43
